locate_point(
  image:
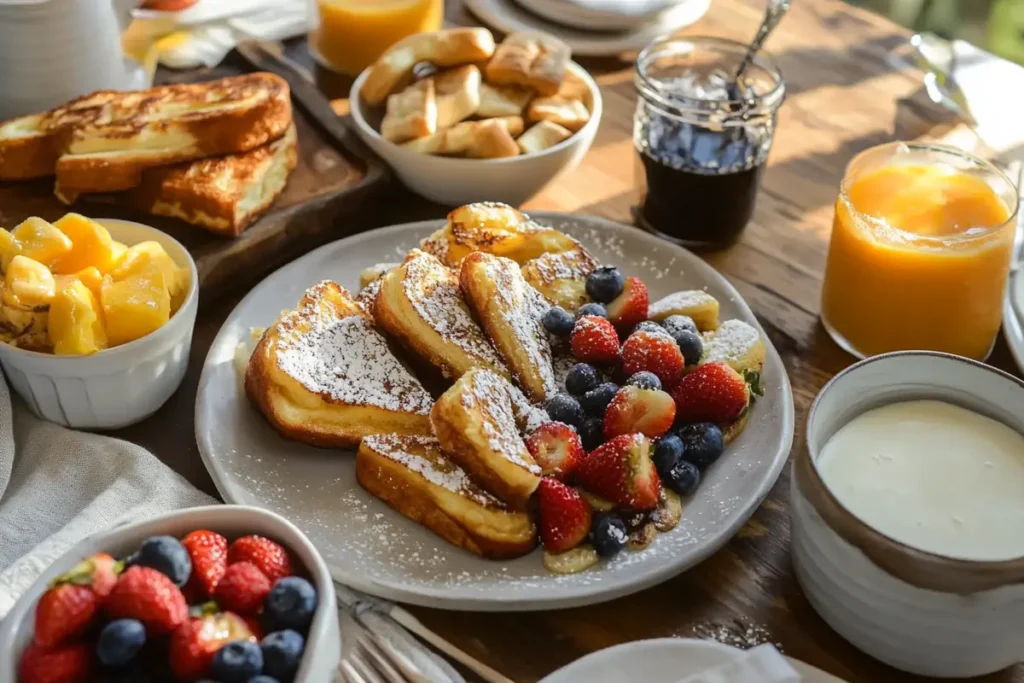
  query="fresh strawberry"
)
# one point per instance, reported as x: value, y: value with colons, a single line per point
x: 193, y: 644
x: 647, y: 411
x: 563, y: 516
x: 557, y: 449
x: 104, y: 570
x: 630, y: 307
x: 268, y: 556
x: 71, y: 663
x: 145, y: 594
x: 621, y: 471
x: 242, y: 589
x: 711, y: 393
x: 594, y: 340
x: 65, y: 611
x: 653, y: 352
x: 209, y: 553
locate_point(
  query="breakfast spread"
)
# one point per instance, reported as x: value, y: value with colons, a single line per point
x: 69, y: 289
x: 214, y: 154
x: 563, y: 404
x: 199, y: 607
x: 932, y: 475
x: 482, y: 100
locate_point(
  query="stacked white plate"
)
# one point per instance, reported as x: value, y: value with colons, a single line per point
x: 592, y: 27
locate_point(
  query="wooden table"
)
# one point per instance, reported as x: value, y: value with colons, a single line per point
x: 843, y: 96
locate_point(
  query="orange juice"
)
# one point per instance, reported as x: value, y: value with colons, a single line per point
x: 349, y: 35
x: 920, y: 252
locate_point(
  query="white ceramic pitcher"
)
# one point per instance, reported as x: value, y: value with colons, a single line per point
x: 54, y: 50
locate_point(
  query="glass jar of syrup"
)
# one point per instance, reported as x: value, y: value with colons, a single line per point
x: 702, y: 139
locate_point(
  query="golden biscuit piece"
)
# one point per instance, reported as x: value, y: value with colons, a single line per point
x: 570, y: 114
x: 462, y: 138
x: 374, y: 273
x: 562, y: 276
x: 533, y: 60
x: 574, y: 88
x: 542, y: 136
x: 475, y: 423
x: 323, y: 375
x: 367, y: 296
x: 502, y: 100
x: 448, y: 47
x: 510, y: 311
x: 695, y: 303
x: 493, y: 141
x: 458, y: 94
x: 411, y: 113
x: 413, y: 476
x: 420, y: 304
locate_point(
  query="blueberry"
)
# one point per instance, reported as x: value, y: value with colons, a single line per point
x: 120, y: 641
x: 591, y: 309
x: 683, y: 478
x: 608, y: 535
x: 703, y: 443
x: 677, y: 323
x: 592, y: 433
x: 691, y: 346
x: 564, y: 408
x: 290, y: 604
x: 263, y: 678
x: 282, y: 651
x: 605, y: 283
x: 649, y: 326
x: 667, y: 452
x: 167, y: 555
x: 237, y: 662
x: 596, y: 400
x: 558, y: 321
x: 581, y: 379
x: 644, y: 380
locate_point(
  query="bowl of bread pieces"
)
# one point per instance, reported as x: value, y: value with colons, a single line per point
x: 462, y: 119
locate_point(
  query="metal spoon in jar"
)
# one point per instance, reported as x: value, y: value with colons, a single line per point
x: 776, y: 10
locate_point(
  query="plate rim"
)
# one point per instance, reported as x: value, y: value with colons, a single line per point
x: 1013, y: 319
x: 581, y: 595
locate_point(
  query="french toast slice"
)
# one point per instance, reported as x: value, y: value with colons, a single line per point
x: 475, y: 422
x: 224, y: 195
x: 413, y: 476
x: 510, y: 312
x: 562, y: 276
x: 420, y: 304
x: 695, y: 303
x: 374, y: 273
x: 323, y: 375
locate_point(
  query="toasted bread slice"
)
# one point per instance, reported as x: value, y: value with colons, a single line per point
x: 472, y: 138
x: 411, y: 113
x: 413, y: 476
x: 458, y: 94
x: 448, y: 47
x: 695, y: 303
x: 170, y: 124
x: 224, y: 195
x: 475, y: 423
x: 420, y: 304
x: 367, y: 297
x: 510, y: 311
x: 374, y: 273
x: 502, y: 100
x: 541, y: 136
x: 561, y: 276
x: 534, y: 60
x: 26, y: 151
x: 323, y: 375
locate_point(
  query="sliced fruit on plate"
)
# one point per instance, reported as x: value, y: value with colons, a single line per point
x: 711, y: 393
x: 621, y: 471
x: 635, y: 410
x: 653, y: 352
x: 563, y: 515
x: 630, y: 307
x: 557, y: 449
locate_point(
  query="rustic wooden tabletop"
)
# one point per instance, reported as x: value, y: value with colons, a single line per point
x: 844, y: 95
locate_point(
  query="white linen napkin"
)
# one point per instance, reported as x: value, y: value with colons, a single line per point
x: 58, y: 486
x: 626, y: 8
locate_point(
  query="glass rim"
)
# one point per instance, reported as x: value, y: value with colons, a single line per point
x: 772, y: 98
x: 913, y: 237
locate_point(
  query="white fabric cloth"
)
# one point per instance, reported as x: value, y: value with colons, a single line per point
x: 626, y: 8
x: 58, y: 486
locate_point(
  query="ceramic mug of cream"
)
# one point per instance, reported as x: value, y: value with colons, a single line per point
x: 908, y: 512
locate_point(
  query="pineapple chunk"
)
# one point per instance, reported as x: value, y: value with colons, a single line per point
x: 41, y: 241
x: 91, y: 277
x: 117, y: 250
x: 135, y: 306
x: 76, y: 324
x: 140, y: 255
x: 9, y: 248
x: 29, y: 282
x: 91, y: 245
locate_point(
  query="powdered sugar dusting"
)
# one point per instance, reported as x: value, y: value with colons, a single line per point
x: 528, y: 416
x: 490, y: 395
x: 692, y: 298
x: 344, y: 358
x: 730, y: 342
x: 367, y: 295
x: 735, y: 634
x: 575, y: 264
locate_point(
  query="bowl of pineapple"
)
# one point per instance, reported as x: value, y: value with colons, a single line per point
x: 96, y: 318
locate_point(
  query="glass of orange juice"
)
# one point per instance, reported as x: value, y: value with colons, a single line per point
x: 920, y: 252
x: 349, y: 35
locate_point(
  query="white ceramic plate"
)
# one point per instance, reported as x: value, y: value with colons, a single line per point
x: 624, y: 15
x: 664, y: 660
x: 1013, y: 317
x: 370, y: 547
x: 508, y: 17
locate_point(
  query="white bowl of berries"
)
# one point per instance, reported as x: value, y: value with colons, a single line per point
x: 227, y: 593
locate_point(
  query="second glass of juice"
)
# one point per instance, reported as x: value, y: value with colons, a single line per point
x: 920, y: 252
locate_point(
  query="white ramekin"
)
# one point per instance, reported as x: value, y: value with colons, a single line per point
x: 916, y: 611
x: 455, y: 181
x: 114, y: 387
x: 323, y: 644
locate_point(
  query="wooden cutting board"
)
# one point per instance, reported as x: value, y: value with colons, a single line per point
x: 335, y: 177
